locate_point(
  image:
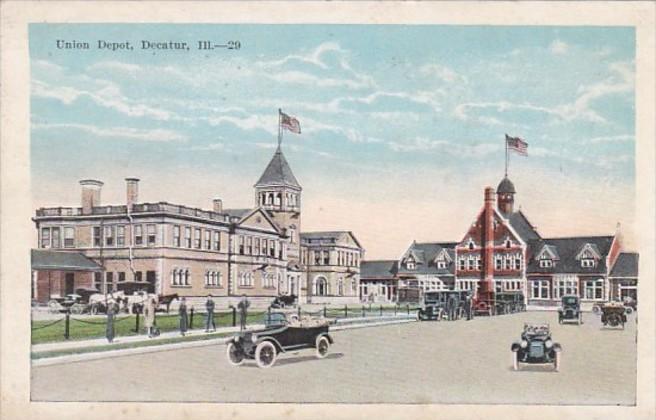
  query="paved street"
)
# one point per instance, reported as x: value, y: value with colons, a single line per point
x: 428, y: 362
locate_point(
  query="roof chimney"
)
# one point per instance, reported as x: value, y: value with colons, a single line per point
x: 217, y: 205
x: 132, y: 190
x: 90, y: 194
x: 488, y: 243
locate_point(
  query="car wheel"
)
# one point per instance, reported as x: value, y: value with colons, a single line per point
x: 323, y: 345
x: 629, y: 310
x: 557, y: 362
x: 265, y: 354
x: 235, y: 354
x: 77, y: 309
x: 515, y: 361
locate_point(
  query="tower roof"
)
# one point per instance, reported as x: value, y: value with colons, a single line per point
x: 278, y: 173
x: 506, y: 186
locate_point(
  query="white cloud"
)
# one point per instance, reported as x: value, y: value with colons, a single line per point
x: 558, y: 47
x: 313, y: 57
x: 442, y: 72
x: 157, y: 135
x: 268, y: 123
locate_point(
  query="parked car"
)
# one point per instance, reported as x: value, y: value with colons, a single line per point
x: 536, y: 347
x: 613, y: 314
x: 283, y: 300
x: 280, y: 335
x: 432, y: 306
x: 570, y: 310
x: 630, y: 304
x: 509, y: 302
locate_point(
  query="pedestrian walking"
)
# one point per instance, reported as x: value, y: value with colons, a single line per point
x: 109, y: 328
x: 209, y: 307
x: 149, y: 316
x: 242, y: 306
x: 182, y: 310
x: 468, y: 306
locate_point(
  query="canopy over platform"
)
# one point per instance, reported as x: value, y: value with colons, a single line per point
x: 44, y: 260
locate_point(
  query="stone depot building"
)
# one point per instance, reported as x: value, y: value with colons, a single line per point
x: 167, y: 248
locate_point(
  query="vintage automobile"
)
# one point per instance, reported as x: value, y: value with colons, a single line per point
x: 432, y: 306
x: 570, y: 310
x: 443, y: 304
x: 280, y: 335
x: 536, y: 347
x: 630, y: 304
x: 509, y: 302
x: 283, y: 300
x: 613, y: 314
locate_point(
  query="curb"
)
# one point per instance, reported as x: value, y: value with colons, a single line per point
x: 73, y: 358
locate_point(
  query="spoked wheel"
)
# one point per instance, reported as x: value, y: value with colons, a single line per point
x: 323, y: 345
x: 515, y: 361
x: 557, y: 362
x: 77, y: 309
x: 54, y: 307
x: 265, y: 354
x: 235, y: 354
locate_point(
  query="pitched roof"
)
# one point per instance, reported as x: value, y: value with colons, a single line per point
x: 522, y: 226
x: 237, y: 212
x: 331, y: 236
x: 278, y: 173
x: 626, y: 265
x: 378, y: 269
x: 62, y: 260
x: 428, y: 251
x: 567, y: 250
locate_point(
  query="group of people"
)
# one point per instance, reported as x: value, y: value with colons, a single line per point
x: 150, y: 323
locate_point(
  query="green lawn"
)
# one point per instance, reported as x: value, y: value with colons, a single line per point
x: 82, y: 327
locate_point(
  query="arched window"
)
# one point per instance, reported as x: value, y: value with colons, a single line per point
x: 320, y: 286
x: 187, y: 278
x: 173, y: 277
x: 340, y: 287
x: 270, y: 200
x: 278, y: 199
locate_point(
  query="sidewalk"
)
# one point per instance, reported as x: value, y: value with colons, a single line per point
x: 99, y: 348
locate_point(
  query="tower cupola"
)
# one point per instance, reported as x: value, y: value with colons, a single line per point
x: 506, y: 196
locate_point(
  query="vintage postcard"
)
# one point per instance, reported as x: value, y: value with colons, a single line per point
x: 421, y: 211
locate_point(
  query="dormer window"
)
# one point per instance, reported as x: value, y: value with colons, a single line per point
x: 470, y: 245
x: 410, y: 265
x: 546, y: 263
x: 587, y: 262
x: 441, y: 264
x: 508, y: 243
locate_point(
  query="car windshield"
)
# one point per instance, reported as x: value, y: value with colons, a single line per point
x: 275, y: 318
x: 570, y: 300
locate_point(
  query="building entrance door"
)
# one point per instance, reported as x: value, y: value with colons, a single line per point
x: 69, y: 284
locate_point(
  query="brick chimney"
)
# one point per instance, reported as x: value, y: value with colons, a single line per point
x: 217, y: 205
x: 488, y: 241
x: 90, y: 194
x: 132, y: 191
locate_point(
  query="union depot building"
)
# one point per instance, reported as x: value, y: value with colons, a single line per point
x: 167, y: 248
x: 596, y: 268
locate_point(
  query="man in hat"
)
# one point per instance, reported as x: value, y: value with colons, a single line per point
x: 209, y: 307
x: 242, y: 306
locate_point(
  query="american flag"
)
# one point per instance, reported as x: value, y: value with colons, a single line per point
x: 290, y: 123
x: 517, y: 144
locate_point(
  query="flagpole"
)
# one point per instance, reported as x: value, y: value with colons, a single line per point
x: 279, y: 127
x: 506, y: 142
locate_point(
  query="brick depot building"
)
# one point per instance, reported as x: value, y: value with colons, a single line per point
x: 194, y: 252
x: 503, y: 251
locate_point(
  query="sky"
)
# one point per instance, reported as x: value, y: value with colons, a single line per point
x: 402, y: 126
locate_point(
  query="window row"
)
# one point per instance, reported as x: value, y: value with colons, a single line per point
x: 213, y: 278
x: 323, y: 257
x: 246, y: 279
x: 593, y: 289
x: 546, y: 262
x: 501, y: 262
x: 196, y: 238
x: 106, y: 283
x: 250, y: 245
x: 276, y: 199
x: 51, y: 237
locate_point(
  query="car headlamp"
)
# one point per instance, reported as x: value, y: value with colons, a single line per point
x: 523, y: 344
x: 253, y: 338
x: 548, y: 344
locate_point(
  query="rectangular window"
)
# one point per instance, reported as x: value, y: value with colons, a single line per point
x: 120, y: 235
x: 187, y: 237
x: 518, y: 262
x: 121, y: 276
x: 97, y: 281
x: 55, y: 237
x: 109, y: 235
x: 109, y: 280
x: 461, y: 263
x: 151, y: 230
x: 217, y: 241
x: 507, y: 263
x: 478, y: 263
x: 241, y: 245
x: 586, y: 262
x: 197, y: 238
x: 272, y: 248
x: 138, y: 235
x: 317, y: 257
x: 265, y: 244
x: 257, y: 246
x: 564, y: 287
x: 176, y: 235
x: 539, y: 289
x: 249, y: 245
x: 594, y: 289
x: 69, y: 237
x: 97, y: 236
x: 498, y: 263
x: 470, y: 263
x: 546, y: 263
x: 138, y: 275
x: 326, y: 257
x: 280, y: 246
x: 45, y: 237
